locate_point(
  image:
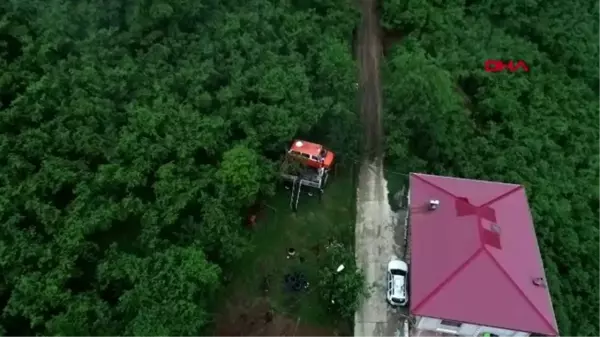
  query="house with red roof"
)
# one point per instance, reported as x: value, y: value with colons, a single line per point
x: 475, y: 265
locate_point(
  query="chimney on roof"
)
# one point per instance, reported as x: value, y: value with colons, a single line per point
x: 433, y: 204
x: 539, y: 282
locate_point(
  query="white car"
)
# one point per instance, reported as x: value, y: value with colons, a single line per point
x: 397, y: 278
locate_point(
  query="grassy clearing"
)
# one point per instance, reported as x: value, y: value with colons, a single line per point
x: 395, y: 183
x: 307, y: 231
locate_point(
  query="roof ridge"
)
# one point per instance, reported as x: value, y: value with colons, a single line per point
x: 470, y: 179
x: 420, y: 177
x: 450, y: 277
x: 523, y: 294
x: 501, y: 196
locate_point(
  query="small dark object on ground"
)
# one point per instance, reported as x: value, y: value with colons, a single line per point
x: 254, y: 213
x: 268, y: 316
x: 301, y: 258
x: 291, y: 252
x: 295, y: 282
x: 265, y: 284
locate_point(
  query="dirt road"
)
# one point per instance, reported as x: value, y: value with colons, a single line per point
x: 369, y: 53
x: 378, y: 232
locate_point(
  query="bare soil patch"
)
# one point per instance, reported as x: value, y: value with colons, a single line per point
x: 256, y: 317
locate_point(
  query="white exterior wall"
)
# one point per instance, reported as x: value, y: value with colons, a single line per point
x: 434, y: 324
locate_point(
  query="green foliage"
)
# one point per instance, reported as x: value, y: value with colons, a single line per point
x: 343, y: 291
x: 240, y: 175
x: 133, y: 137
x: 168, y: 290
x: 445, y: 115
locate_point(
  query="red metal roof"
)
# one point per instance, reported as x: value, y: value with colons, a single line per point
x: 466, y: 269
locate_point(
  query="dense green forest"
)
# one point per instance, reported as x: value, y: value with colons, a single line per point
x: 134, y: 135
x: 446, y: 115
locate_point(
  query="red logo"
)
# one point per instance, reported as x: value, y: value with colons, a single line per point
x: 494, y: 66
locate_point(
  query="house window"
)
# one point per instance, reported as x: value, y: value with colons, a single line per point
x: 453, y: 324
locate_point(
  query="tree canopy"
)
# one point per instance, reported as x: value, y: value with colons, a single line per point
x: 341, y: 284
x: 133, y: 135
x: 446, y: 115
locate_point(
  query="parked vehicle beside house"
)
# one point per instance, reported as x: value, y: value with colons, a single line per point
x: 397, y: 276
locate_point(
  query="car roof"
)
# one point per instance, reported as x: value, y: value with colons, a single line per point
x: 301, y: 146
x: 399, y: 284
x: 398, y: 264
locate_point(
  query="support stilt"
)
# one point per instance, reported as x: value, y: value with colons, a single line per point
x: 298, y: 194
x: 292, y: 196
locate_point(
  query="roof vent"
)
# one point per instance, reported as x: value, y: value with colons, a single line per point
x: 299, y: 144
x: 539, y: 282
x: 495, y: 228
x: 433, y: 204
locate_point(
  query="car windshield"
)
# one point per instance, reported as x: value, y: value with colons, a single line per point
x: 395, y: 300
x: 398, y: 272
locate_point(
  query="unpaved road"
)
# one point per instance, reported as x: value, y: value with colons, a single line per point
x: 377, y: 235
x: 369, y: 52
x: 378, y: 232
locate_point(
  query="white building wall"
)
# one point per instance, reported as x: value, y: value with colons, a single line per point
x: 435, y: 324
x: 428, y: 323
x: 521, y: 334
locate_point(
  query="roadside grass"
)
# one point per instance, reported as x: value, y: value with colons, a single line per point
x: 307, y: 231
x: 397, y: 185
